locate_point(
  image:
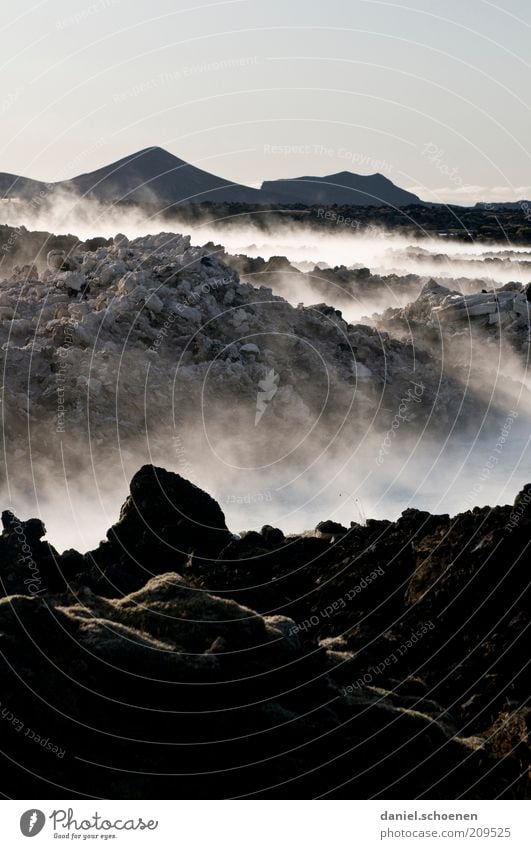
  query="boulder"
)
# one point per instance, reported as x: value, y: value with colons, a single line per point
x: 55, y: 260
x: 330, y: 529
x: 272, y: 536
x: 164, y: 520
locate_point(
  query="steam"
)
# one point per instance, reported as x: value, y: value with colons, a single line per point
x: 284, y: 452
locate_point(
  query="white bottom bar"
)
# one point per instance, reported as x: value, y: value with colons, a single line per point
x: 266, y: 824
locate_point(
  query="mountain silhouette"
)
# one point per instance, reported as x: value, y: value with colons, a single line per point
x: 13, y: 186
x: 343, y: 189
x: 154, y: 175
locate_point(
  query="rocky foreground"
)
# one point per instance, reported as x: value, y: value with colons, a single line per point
x: 180, y: 661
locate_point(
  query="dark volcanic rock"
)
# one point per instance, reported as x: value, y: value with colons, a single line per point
x: 27, y: 563
x: 172, y: 669
x: 163, y: 521
x: 330, y: 528
x: 272, y: 536
x: 386, y: 661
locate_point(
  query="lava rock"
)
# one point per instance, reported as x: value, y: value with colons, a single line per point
x: 164, y: 520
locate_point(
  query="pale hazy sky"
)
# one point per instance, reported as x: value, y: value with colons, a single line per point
x: 436, y: 95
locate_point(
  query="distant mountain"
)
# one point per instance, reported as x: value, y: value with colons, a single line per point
x: 150, y: 176
x: 344, y: 189
x: 12, y: 186
x: 156, y: 176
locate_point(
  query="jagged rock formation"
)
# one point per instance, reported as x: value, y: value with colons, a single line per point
x: 106, y: 342
x: 356, y: 287
x: 340, y: 286
x: 499, y: 316
x: 22, y: 247
x: 385, y: 660
x: 163, y: 521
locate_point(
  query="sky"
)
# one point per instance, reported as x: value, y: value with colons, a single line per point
x: 435, y: 95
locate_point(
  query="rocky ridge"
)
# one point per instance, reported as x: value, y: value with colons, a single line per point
x: 104, y: 342
x: 498, y: 317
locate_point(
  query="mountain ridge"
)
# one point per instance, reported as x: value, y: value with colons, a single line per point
x: 342, y: 188
x: 154, y: 175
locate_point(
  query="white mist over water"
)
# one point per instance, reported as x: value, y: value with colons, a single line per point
x: 441, y: 478
x: 344, y: 482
